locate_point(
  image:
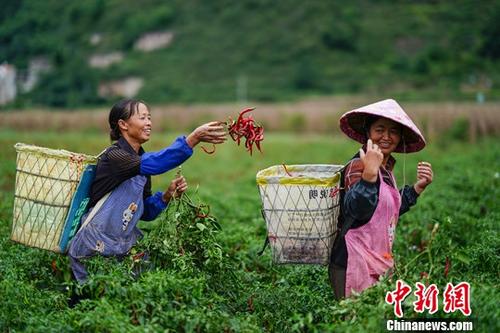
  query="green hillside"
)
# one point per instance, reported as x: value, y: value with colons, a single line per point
x: 269, y: 50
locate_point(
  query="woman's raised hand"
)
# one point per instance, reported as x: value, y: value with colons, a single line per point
x: 175, y: 189
x: 424, y: 176
x: 212, y: 132
x: 372, y: 160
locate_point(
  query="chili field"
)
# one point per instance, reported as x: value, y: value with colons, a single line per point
x: 221, y: 284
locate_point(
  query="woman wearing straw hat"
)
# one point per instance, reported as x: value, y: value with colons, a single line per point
x: 370, y: 201
x: 121, y: 191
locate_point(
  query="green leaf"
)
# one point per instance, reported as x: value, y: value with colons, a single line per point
x: 463, y: 258
x: 201, y: 226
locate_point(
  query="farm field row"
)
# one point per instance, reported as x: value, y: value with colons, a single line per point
x: 239, y: 290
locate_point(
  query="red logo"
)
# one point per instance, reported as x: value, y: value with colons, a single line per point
x: 454, y: 298
x: 398, y: 296
x: 457, y: 298
x: 427, y: 298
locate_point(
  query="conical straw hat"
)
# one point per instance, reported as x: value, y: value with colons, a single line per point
x: 352, y: 123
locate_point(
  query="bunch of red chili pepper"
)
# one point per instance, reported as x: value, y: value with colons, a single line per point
x: 247, y: 128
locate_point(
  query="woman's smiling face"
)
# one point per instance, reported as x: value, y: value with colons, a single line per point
x: 386, y: 134
x: 138, y: 126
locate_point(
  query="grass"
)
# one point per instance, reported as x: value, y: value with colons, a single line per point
x: 259, y: 296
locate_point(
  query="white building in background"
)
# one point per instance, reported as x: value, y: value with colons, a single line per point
x: 105, y: 60
x: 37, y: 67
x: 154, y: 40
x: 127, y: 87
x: 8, y: 88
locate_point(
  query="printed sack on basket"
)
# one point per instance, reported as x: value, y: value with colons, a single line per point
x: 51, y: 194
x: 300, y: 204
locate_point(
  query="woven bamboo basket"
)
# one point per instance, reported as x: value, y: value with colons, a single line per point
x: 51, y: 193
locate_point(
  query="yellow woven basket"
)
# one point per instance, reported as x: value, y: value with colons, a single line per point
x: 46, y: 181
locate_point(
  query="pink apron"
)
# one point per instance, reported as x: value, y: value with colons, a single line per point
x: 369, y: 247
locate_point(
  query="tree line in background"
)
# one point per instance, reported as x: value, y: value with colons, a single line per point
x: 210, y: 51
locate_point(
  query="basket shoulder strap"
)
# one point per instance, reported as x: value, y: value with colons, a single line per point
x: 266, y: 243
x: 345, y: 225
x: 102, y: 152
x: 95, y: 210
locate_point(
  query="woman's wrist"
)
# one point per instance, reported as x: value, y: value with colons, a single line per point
x: 369, y: 176
x: 166, y: 196
x: 192, y: 140
x: 418, y: 189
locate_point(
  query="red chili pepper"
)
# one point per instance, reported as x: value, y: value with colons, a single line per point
x: 334, y: 192
x: 138, y: 256
x: 243, y: 112
x: 208, y: 151
x: 246, y: 127
x: 202, y: 215
x: 54, y: 266
x: 257, y: 144
x: 199, y: 211
x: 252, y: 133
x: 286, y: 170
x: 447, y: 266
x: 250, y: 304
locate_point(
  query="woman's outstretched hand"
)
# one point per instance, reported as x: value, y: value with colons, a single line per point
x: 424, y: 176
x: 372, y: 160
x: 175, y: 189
x: 212, y: 132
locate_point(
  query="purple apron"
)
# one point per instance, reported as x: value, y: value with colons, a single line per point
x: 113, y: 229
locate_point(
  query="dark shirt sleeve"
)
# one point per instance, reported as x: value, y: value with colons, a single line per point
x: 360, y: 202
x: 361, y: 197
x: 408, y: 198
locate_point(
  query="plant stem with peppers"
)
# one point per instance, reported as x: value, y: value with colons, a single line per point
x: 243, y: 127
